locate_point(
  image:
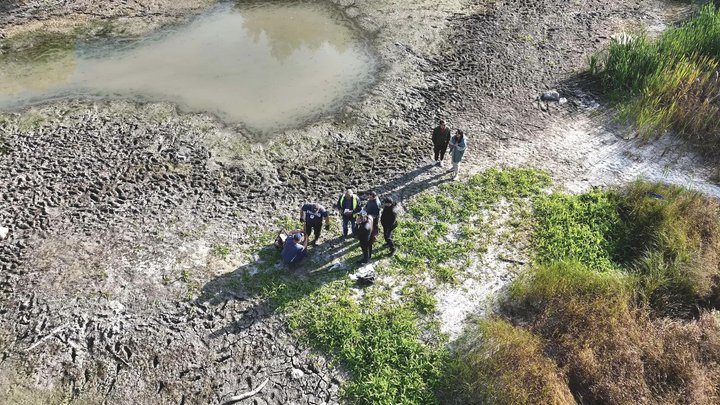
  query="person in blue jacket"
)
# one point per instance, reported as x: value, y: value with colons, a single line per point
x: 295, y: 248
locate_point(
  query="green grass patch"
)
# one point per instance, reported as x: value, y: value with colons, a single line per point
x: 666, y: 236
x: 585, y: 227
x: 279, y: 287
x: 221, y: 251
x: 391, y: 345
x: 376, y: 340
x: 374, y: 337
x: 445, y: 228
x: 446, y: 274
x: 669, y: 83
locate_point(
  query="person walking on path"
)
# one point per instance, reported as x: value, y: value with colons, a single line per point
x: 349, y: 207
x: 372, y: 207
x: 363, y: 232
x: 457, y: 150
x: 311, y: 215
x: 389, y: 222
x: 440, y: 139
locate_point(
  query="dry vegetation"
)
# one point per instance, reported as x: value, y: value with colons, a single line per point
x: 501, y: 363
x: 631, y: 323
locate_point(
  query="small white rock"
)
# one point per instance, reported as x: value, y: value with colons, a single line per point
x: 4, y: 232
x: 296, y: 373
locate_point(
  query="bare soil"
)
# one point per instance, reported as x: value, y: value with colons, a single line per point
x: 111, y: 290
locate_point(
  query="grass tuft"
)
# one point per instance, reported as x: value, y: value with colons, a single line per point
x: 676, y: 234
x: 221, y: 251
x: 670, y: 83
x: 503, y: 364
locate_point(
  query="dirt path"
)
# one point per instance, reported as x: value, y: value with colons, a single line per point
x: 115, y: 210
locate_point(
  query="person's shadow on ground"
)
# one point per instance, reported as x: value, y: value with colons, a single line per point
x: 332, y: 259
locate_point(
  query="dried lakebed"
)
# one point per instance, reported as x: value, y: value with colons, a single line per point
x: 118, y: 211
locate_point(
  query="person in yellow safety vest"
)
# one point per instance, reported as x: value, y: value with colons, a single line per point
x: 349, y: 207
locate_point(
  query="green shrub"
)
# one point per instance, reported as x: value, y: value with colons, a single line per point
x: 426, y: 242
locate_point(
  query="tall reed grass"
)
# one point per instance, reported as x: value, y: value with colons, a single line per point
x: 672, y: 83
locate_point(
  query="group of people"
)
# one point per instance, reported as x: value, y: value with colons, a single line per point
x: 361, y: 221
x: 442, y: 141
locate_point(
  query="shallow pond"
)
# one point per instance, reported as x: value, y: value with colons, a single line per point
x: 268, y: 66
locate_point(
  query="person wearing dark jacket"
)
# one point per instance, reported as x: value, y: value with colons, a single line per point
x: 441, y: 140
x: 363, y: 232
x: 372, y: 207
x: 389, y: 222
x: 295, y: 248
x: 311, y: 215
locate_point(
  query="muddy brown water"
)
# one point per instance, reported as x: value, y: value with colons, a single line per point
x: 268, y: 66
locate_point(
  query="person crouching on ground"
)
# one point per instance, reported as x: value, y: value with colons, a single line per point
x: 389, y: 222
x: 372, y: 207
x: 457, y: 148
x: 363, y: 232
x: 295, y: 248
x: 311, y: 215
x: 349, y: 207
x: 440, y: 139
